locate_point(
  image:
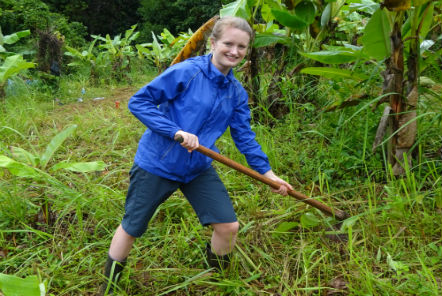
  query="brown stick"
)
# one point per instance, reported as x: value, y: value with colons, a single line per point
x: 340, y: 215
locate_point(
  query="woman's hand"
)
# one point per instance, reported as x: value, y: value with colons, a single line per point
x: 284, y: 188
x: 190, y: 141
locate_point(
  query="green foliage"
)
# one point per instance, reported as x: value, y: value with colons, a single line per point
x: 35, y: 15
x: 267, y: 39
x: 16, y: 286
x: 10, y: 39
x: 334, y: 73
x: 163, y: 49
x: 118, y: 52
x: 11, y: 63
x: 309, y: 220
x: 99, y: 17
x: 116, y: 56
x: 376, y: 43
x: 337, y: 56
x: 74, y: 33
x: 11, y: 67
x: 24, y: 14
x: 176, y: 16
x: 304, y: 16
x: 238, y: 8
x: 111, y: 58
x: 376, y: 38
x: 20, y: 169
x: 85, y: 58
x: 27, y: 164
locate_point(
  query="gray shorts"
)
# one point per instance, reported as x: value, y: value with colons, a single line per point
x: 206, y: 193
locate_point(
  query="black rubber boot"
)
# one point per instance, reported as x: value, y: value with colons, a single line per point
x: 216, y: 261
x: 112, y: 272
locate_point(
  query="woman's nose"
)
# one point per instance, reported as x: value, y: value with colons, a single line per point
x: 234, y: 50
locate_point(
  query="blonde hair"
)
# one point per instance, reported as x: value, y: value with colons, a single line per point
x: 230, y: 21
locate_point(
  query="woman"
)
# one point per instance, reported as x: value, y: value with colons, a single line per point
x: 198, y: 100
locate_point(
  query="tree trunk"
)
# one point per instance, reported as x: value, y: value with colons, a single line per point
x: 404, y: 100
x: 252, y: 77
x: 407, y: 119
x: 393, y: 77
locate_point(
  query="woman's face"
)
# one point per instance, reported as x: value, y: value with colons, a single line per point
x: 229, y: 50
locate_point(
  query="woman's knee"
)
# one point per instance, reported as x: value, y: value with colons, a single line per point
x: 226, y: 229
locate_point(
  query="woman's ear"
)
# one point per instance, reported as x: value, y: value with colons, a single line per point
x: 212, y: 43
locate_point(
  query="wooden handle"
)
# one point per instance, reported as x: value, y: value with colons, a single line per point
x: 341, y: 215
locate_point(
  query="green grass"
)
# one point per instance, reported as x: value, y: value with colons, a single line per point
x: 394, y: 244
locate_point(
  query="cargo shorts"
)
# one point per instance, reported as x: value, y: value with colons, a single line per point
x: 206, y: 193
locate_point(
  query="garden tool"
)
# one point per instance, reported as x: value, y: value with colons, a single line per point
x: 340, y: 215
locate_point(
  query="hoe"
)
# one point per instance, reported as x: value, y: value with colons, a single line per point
x: 340, y: 215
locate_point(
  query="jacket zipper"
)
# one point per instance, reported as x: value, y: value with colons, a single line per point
x: 168, y: 150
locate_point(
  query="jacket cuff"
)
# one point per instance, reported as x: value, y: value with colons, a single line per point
x: 173, y: 132
x: 263, y: 170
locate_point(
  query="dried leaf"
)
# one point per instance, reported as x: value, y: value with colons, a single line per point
x: 407, y: 132
x: 382, y: 128
x: 339, y: 285
x: 196, y: 41
x: 397, y: 5
x: 412, y: 97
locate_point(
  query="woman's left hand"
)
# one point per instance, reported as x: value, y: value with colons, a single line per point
x: 284, y: 188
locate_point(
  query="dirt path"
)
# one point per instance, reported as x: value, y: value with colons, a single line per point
x: 120, y: 95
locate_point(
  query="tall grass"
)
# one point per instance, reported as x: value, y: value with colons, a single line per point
x: 392, y: 244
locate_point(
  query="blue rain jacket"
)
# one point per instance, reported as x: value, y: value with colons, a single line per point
x: 193, y: 96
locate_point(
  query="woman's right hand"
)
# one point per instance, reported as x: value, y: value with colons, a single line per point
x: 190, y: 141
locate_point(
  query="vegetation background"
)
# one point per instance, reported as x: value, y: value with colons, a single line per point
x: 346, y: 101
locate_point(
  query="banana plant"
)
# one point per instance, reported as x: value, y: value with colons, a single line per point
x: 90, y: 60
x: 12, y: 63
x: 162, y: 50
x: 12, y: 66
x: 267, y: 33
x: 84, y: 58
x: 401, y: 76
x: 154, y: 51
x: 32, y: 165
x: 296, y: 17
x: 118, y: 51
x: 395, y: 34
x: 10, y: 39
x: 285, y: 22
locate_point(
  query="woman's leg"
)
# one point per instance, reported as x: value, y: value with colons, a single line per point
x: 224, y: 237
x: 211, y: 202
x: 146, y: 192
x: 116, y: 259
x: 121, y: 244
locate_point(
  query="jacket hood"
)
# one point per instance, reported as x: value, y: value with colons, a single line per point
x: 212, y: 72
